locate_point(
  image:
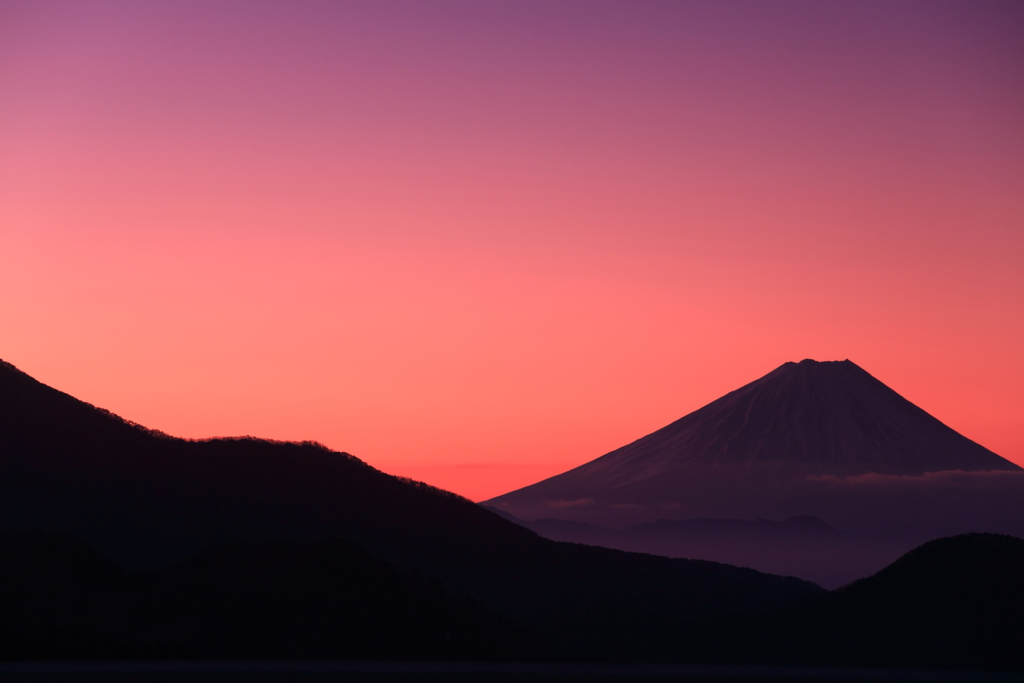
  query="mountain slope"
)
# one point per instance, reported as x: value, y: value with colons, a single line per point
x: 322, y: 600
x: 828, y: 418
x: 145, y: 500
x: 952, y: 603
x: 808, y: 438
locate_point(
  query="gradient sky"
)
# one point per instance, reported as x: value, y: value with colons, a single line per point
x: 479, y: 243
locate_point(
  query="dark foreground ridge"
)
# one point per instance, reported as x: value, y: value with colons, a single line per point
x: 146, y: 500
x: 287, y: 601
x: 489, y: 672
x: 953, y: 604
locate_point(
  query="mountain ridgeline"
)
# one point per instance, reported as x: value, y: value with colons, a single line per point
x: 146, y: 500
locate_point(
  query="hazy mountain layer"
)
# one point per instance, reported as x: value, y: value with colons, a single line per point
x: 805, y: 546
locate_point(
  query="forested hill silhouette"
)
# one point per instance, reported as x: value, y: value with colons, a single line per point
x: 954, y: 602
x: 145, y: 499
x: 323, y: 600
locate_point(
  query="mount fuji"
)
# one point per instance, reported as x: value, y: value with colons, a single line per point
x: 819, y: 441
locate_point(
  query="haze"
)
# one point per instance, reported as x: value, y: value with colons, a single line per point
x: 480, y: 243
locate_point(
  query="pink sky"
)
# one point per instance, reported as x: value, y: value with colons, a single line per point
x: 480, y: 243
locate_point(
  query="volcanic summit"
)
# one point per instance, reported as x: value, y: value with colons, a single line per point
x: 803, y: 421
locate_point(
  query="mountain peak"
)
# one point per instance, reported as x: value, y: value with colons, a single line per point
x: 829, y: 418
x: 820, y: 365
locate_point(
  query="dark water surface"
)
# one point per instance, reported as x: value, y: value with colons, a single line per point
x: 379, y: 672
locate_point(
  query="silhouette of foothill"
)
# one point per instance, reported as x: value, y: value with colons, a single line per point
x: 951, y: 603
x: 322, y: 600
x: 147, y: 500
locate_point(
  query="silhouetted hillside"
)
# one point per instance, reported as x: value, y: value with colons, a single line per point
x: 952, y: 603
x: 49, y: 583
x: 145, y: 500
x: 325, y: 600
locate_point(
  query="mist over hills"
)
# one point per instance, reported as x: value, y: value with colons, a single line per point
x: 799, y: 546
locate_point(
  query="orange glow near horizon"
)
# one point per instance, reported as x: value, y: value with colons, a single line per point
x: 480, y: 245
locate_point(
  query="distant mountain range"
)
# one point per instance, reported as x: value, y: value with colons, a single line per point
x: 809, y: 439
x: 799, y: 546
